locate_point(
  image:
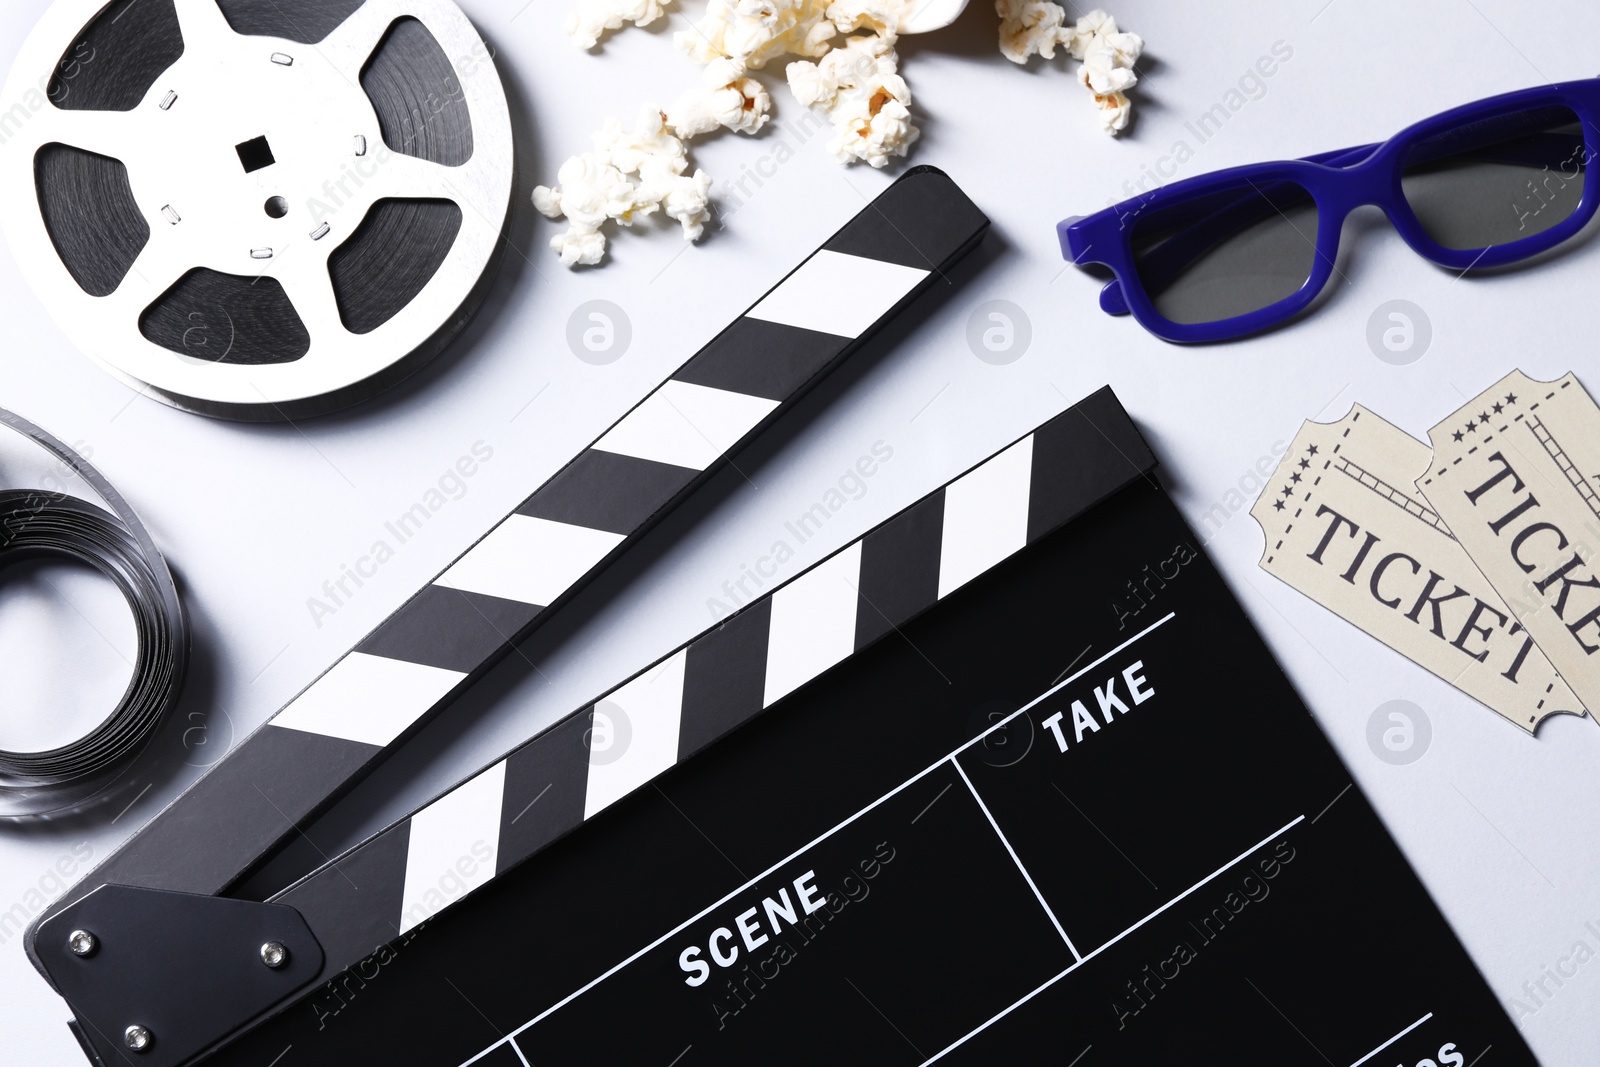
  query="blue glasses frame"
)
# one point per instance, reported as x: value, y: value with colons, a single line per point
x: 1338, y: 182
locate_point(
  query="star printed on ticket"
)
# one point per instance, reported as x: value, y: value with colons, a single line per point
x: 1346, y: 526
x: 1514, y: 474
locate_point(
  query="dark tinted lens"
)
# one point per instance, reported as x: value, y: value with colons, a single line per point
x: 1227, y: 253
x: 1498, y: 180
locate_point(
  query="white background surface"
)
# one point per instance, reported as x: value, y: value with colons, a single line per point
x: 1501, y: 827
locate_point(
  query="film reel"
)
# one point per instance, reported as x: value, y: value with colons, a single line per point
x: 257, y: 209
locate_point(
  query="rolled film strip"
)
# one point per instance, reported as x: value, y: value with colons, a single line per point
x: 41, y: 523
x: 257, y: 209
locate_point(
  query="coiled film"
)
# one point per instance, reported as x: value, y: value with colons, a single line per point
x: 38, y: 522
x: 257, y: 209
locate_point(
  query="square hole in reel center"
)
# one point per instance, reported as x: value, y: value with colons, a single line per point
x: 255, y: 154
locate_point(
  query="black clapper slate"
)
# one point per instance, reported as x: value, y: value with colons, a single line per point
x: 1197, y: 881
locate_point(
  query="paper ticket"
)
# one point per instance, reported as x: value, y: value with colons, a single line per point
x: 1514, y: 475
x: 1346, y: 526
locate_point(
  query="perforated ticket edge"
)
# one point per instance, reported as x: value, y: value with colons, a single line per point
x: 1364, y: 468
x: 1505, y: 418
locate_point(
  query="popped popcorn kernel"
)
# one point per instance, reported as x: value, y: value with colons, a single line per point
x: 592, y: 18
x: 752, y: 33
x: 1035, y: 27
x: 630, y: 175
x: 868, y: 103
x: 1030, y: 28
x: 727, y: 99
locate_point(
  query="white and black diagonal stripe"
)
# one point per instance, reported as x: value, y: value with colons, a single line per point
x: 531, y: 559
x: 729, y: 675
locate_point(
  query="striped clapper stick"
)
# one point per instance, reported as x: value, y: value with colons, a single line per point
x: 450, y: 633
x: 554, y: 783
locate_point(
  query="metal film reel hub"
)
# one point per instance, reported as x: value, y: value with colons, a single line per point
x: 286, y: 195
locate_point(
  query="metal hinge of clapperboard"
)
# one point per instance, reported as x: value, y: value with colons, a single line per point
x: 149, y: 950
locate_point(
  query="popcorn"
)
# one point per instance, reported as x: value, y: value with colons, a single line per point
x: 1115, y: 111
x: 689, y: 201
x: 882, y: 17
x: 1101, y: 75
x: 754, y: 32
x: 579, y: 247
x: 630, y: 174
x: 1030, y: 28
x: 1108, y: 57
x: 1035, y: 27
x: 856, y: 81
x: 594, y: 17
x: 867, y: 101
x: 726, y: 99
x: 1098, y: 30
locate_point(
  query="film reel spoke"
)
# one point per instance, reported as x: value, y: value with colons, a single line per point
x: 204, y: 28
x: 311, y: 292
x: 403, y: 177
x: 156, y: 269
x: 351, y: 45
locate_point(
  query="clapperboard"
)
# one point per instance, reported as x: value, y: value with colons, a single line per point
x: 1010, y: 779
x: 975, y: 804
